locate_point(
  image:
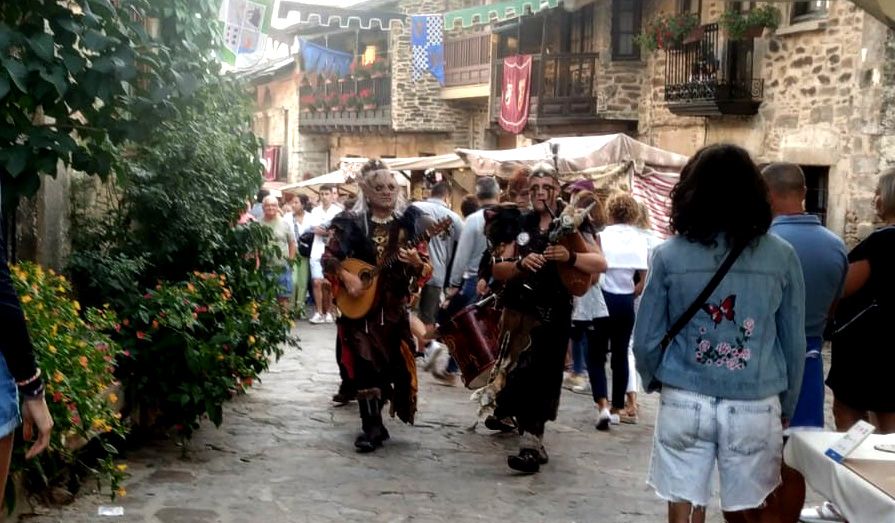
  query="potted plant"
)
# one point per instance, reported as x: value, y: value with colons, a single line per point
x: 344, y: 99
x: 379, y: 67
x: 359, y: 71
x: 669, y: 31
x: 366, y: 99
x: 353, y: 103
x: 308, y: 103
x: 332, y: 102
x: 751, y: 24
x: 320, y: 102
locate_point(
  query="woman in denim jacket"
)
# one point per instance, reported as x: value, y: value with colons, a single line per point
x: 732, y: 375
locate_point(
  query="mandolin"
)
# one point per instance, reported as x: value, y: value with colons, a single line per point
x: 356, y: 307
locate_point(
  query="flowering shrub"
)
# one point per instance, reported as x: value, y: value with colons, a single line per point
x: 666, y: 31
x: 366, y: 96
x: 77, y: 361
x: 193, y: 344
x: 308, y: 102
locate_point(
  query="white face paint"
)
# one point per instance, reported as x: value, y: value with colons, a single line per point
x: 381, y: 191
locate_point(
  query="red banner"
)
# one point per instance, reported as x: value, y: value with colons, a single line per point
x: 516, y: 91
x: 271, y: 161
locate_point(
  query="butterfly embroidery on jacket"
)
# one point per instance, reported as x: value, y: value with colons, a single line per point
x: 722, y: 311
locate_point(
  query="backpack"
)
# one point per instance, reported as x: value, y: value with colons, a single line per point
x: 305, y: 241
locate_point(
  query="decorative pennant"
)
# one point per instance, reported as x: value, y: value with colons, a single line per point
x: 318, y: 59
x: 289, y: 13
x: 516, y: 93
x: 246, y: 23
x: 427, y: 46
x: 499, y: 12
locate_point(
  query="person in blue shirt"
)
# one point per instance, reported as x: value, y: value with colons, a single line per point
x: 824, y: 264
x: 732, y: 374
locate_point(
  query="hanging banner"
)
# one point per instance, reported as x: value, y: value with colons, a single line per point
x: 427, y: 45
x: 318, y: 59
x: 499, y: 12
x: 515, y: 93
x: 246, y: 23
x: 289, y: 13
x: 271, y: 162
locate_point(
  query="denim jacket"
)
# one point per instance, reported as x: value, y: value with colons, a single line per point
x: 747, y: 342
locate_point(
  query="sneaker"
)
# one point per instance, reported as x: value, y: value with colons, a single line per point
x: 329, y: 318
x: 573, y: 380
x: 317, y: 318
x: 614, y: 419
x: 437, y: 359
x: 582, y: 388
x: 821, y: 514
x: 604, y: 420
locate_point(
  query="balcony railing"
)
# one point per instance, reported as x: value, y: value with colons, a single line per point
x: 708, y: 77
x: 467, y: 60
x: 375, y: 113
x: 564, y: 88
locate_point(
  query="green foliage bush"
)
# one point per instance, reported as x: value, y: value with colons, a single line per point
x: 77, y: 359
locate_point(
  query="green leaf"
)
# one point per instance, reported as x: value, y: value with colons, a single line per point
x: 42, y: 45
x: 4, y: 87
x: 17, y: 73
x: 58, y: 78
x: 16, y: 159
x: 69, y: 25
x: 73, y: 62
x: 94, y: 40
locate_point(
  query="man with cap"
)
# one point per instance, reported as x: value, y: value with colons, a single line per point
x: 527, y: 379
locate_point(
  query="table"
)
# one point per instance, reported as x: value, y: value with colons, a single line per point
x: 857, y: 499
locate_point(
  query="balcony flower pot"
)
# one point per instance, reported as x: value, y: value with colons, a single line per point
x: 751, y: 24
x: 370, y: 107
x: 667, y: 31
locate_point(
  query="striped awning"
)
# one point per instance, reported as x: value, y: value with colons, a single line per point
x: 499, y: 12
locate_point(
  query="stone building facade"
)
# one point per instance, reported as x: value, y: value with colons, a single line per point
x: 828, y: 89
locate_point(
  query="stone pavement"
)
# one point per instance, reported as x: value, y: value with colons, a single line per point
x: 285, y: 454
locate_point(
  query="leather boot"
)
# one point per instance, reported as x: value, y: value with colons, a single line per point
x: 371, y: 423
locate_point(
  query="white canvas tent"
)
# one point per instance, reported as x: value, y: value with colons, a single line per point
x: 615, y: 160
x: 414, y: 163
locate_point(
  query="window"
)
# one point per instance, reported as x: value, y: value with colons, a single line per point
x: 802, y: 11
x: 816, y: 180
x: 690, y: 6
x: 583, y: 30
x: 625, y: 25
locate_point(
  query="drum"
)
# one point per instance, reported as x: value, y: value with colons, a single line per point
x: 471, y: 337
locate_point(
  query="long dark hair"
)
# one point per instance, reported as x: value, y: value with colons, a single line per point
x: 721, y: 191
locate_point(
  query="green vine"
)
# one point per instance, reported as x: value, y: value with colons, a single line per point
x: 737, y: 25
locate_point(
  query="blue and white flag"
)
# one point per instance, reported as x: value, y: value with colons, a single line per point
x: 427, y: 45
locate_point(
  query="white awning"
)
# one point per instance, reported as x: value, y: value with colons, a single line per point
x: 413, y: 163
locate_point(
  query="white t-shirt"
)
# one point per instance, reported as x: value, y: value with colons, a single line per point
x: 302, y: 224
x: 627, y: 251
x: 321, y: 218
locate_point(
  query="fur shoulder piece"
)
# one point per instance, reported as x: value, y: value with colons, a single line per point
x: 503, y: 223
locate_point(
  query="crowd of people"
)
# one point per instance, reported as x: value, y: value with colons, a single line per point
x: 726, y: 319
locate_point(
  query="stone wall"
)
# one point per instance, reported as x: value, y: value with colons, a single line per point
x: 825, y: 86
x: 619, y: 83
x: 275, y: 120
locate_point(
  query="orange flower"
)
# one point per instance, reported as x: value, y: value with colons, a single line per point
x: 83, y: 361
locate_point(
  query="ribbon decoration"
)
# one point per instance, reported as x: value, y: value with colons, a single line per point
x: 499, y: 12
x: 427, y: 46
x: 288, y: 14
x: 318, y: 59
x: 246, y: 23
x: 515, y: 93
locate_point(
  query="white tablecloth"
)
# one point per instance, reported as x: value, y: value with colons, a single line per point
x: 858, y: 500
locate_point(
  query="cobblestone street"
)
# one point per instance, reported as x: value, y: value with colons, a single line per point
x: 285, y: 454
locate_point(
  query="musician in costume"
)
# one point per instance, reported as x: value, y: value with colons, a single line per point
x: 534, y: 330
x: 377, y: 348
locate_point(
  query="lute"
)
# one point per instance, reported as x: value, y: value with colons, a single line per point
x: 356, y: 307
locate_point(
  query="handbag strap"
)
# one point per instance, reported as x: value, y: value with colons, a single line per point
x: 710, y: 287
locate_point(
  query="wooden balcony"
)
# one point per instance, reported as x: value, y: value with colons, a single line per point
x: 467, y: 60
x: 376, y: 116
x: 564, y: 89
x: 709, y: 77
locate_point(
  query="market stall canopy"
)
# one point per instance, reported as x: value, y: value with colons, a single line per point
x: 577, y: 155
x: 414, y: 163
x: 614, y: 161
x: 333, y: 178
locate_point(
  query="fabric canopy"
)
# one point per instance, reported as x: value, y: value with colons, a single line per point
x: 319, y: 59
x: 615, y: 160
x: 497, y: 12
x: 415, y: 163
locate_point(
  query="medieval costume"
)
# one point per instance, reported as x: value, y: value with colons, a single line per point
x: 377, y: 350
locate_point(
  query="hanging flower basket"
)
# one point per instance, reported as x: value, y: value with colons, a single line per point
x: 667, y: 31
x: 751, y: 24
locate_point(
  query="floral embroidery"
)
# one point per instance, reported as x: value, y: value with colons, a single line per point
x: 734, y: 357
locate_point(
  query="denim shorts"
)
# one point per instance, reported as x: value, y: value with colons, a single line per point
x: 285, y: 281
x: 694, y: 432
x: 9, y: 401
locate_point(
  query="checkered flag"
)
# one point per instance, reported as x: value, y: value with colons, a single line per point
x: 427, y: 44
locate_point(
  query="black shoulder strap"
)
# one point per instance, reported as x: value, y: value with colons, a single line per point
x: 710, y: 287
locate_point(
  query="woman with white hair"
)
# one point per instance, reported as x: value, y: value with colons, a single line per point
x: 377, y: 350
x: 862, y: 359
